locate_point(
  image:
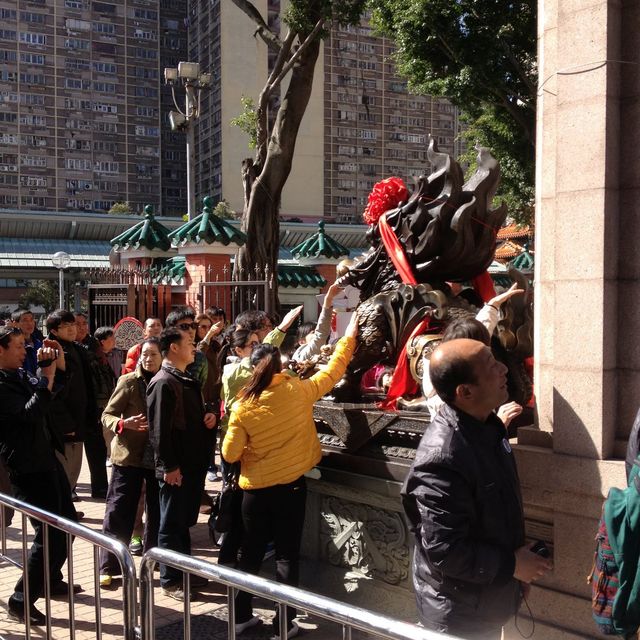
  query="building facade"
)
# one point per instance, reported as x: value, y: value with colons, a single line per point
x: 82, y: 106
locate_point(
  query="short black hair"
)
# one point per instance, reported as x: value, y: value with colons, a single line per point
x: 103, y: 333
x: 169, y: 336
x: 181, y: 313
x: 251, y: 320
x: 152, y: 340
x: 447, y: 374
x: 6, y: 333
x: 16, y: 316
x: 467, y: 328
x: 217, y: 311
x: 57, y: 317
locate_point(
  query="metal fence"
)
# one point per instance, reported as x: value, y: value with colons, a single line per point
x: 72, y: 530
x: 348, y: 616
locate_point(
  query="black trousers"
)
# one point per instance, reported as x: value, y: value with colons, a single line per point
x: 95, y: 449
x: 179, y: 508
x: 123, y: 497
x: 50, y: 491
x: 274, y: 512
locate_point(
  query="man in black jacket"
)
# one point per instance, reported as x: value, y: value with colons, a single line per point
x: 182, y: 434
x: 27, y: 446
x: 74, y: 412
x: 462, y: 499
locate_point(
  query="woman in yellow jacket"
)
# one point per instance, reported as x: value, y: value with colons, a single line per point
x: 272, y: 433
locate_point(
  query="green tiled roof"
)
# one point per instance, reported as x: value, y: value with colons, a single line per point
x: 170, y: 271
x: 523, y: 262
x: 291, y: 275
x: 320, y: 245
x: 149, y: 234
x: 208, y: 227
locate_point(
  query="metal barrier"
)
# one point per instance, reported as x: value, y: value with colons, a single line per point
x: 72, y: 529
x: 348, y: 616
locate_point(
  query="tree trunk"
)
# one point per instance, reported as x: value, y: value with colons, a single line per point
x: 260, y: 219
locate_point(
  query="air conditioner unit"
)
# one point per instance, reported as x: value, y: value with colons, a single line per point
x: 87, y: 207
x: 13, y: 167
x: 87, y: 187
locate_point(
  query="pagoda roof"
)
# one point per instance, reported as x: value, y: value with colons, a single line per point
x: 508, y: 250
x: 290, y: 275
x: 514, y: 230
x: 148, y: 234
x: 523, y: 262
x: 208, y: 227
x: 319, y: 245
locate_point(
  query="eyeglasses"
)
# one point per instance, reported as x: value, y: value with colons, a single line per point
x: 204, y: 326
x: 185, y: 326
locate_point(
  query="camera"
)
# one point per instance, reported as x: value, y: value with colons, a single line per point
x: 541, y: 549
x: 47, y: 361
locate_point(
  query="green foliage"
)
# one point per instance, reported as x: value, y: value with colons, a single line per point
x: 40, y: 293
x: 302, y: 15
x: 482, y: 56
x: 120, y: 209
x: 223, y: 210
x: 247, y: 121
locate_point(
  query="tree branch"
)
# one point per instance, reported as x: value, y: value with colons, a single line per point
x: 298, y: 52
x: 270, y: 38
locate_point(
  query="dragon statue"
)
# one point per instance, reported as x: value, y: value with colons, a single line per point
x: 446, y: 230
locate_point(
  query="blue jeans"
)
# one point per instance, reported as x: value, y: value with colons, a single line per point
x: 179, y: 508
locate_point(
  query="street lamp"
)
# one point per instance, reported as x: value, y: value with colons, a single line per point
x: 61, y: 261
x: 184, y: 120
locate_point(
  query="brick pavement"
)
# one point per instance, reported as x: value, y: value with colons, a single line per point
x: 209, y: 611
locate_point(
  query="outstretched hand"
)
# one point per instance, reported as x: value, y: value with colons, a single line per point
x: 501, y: 298
x: 507, y: 412
x: 289, y: 318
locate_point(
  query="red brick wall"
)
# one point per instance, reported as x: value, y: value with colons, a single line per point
x: 204, y: 268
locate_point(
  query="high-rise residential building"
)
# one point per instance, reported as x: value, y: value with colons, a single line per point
x: 82, y: 106
x: 361, y: 124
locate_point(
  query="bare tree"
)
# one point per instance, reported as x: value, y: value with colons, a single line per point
x: 265, y: 175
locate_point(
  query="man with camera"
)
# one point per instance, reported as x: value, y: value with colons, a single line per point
x: 463, y: 502
x: 27, y: 446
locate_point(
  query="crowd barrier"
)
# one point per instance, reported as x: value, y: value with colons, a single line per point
x: 347, y: 616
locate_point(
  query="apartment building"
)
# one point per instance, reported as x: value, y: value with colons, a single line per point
x: 361, y: 124
x: 82, y: 107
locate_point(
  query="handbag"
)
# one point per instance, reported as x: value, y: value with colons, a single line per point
x: 221, y: 518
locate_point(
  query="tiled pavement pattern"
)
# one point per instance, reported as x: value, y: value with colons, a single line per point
x: 208, y: 611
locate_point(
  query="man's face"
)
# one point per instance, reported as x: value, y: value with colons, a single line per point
x: 82, y: 328
x: 188, y: 325
x: 152, y: 328
x: 150, y: 358
x: 490, y: 388
x: 66, y: 331
x: 27, y: 324
x: 12, y: 356
x: 185, y: 351
x: 108, y: 344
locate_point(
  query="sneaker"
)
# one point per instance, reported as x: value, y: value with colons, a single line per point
x: 176, y: 592
x: 270, y: 552
x: 16, y: 612
x: 247, y: 624
x: 105, y: 580
x: 135, y: 546
x: 292, y: 631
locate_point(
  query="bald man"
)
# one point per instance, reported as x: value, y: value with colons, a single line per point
x: 462, y: 499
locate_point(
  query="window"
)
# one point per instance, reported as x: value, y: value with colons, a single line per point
x: 29, y: 16
x: 77, y: 25
x: 78, y: 145
x: 104, y: 27
x: 8, y: 14
x: 32, y: 78
x: 153, y: 152
x: 106, y: 127
x: 9, y: 200
x: 142, y: 72
x: 146, y: 92
x: 8, y: 117
x: 103, y: 7
x: 33, y: 181
x: 104, y: 87
x: 6, y: 34
x: 8, y: 56
x: 345, y: 150
x: 76, y: 83
x: 33, y: 201
x: 32, y: 58
x: 145, y: 14
x: 367, y: 134
x: 8, y: 138
x: 105, y: 67
x: 77, y: 164
x: 76, y: 44
x: 101, y: 146
x: 105, y: 166
x: 150, y: 112
x: 8, y: 76
x: 33, y: 161
x: 145, y: 54
x: 33, y: 141
x: 142, y: 130
x: 8, y: 179
x: 34, y: 121
x: 74, y: 4
x: 143, y: 34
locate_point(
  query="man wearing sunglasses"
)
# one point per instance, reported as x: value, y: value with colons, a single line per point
x: 28, y: 447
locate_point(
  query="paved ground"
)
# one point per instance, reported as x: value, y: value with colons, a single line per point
x: 208, y: 612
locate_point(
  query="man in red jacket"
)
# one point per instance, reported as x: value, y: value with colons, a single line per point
x: 152, y: 329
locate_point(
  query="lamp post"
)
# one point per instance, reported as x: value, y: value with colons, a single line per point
x: 184, y: 120
x: 61, y: 261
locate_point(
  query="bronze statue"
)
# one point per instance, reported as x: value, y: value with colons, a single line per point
x: 447, y: 231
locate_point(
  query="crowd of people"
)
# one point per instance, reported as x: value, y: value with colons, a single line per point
x: 194, y: 389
